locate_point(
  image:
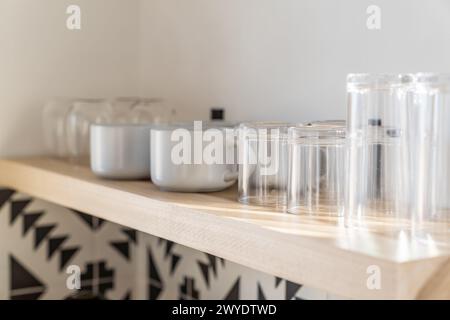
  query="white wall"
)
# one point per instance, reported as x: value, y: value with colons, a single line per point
x: 282, y: 59
x: 40, y: 58
x: 260, y: 59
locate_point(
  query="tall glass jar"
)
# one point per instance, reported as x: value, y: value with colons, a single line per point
x: 377, y: 175
x: 429, y: 146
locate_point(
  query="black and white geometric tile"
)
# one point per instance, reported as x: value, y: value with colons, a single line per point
x: 39, y: 240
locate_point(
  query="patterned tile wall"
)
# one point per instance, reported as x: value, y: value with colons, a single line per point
x: 40, y: 240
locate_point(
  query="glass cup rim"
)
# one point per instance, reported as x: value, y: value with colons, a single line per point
x: 378, y: 80
x: 256, y: 130
x: 320, y: 133
x: 434, y: 80
x: 118, y: 125
x: 266, y: 125
x: 206, y: 125
x: 325, y: 124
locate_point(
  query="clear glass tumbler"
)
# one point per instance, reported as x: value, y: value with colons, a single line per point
x: 263, y: 161
x: 83, y: 113
x: 316, y: 168
x: 152, y: 111
x: 429, y: 147
x: 377, y: 174
x: 122, y: 109
x: 54, y: 117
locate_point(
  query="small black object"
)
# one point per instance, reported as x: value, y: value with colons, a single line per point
x: 217, y: 114
x: 375, y: 122
x: 393, y: 133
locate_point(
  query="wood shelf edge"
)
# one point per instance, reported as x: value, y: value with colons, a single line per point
x: 310, y: 262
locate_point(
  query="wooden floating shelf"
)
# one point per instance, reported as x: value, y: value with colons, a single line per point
x: 317, y: 252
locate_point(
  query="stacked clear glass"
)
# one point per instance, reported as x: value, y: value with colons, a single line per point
x: 316, y: 168
x: 429, y: 151
x: 377, y: 176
